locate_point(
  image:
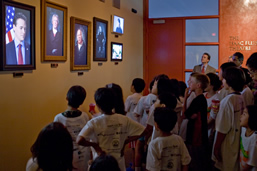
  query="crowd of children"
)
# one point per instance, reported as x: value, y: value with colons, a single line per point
x: 211, y: 125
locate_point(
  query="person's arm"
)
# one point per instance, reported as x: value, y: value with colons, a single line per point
x: 187, y: 94
x: 217, y: 146
x: 82, y: 141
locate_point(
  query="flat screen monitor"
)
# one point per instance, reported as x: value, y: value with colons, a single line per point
x: 117, y: 24
x: 116, y: 51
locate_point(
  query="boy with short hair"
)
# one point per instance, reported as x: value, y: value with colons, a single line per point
x: 168, y: 151
x: 75, y: 120
x: 227, y: 138
x: 108, y: 131
x: 137, y: 87
x: 196, y: 113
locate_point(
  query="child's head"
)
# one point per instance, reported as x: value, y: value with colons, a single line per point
x: 168, y: 99
x: 119, y: 104
x: 163, y: 86
x: 76, y: 96
x: 53, y: 148
x: 138, y: 84
x: 104, y: 162
x: 223, y: 67
x: 198, y: 81
x: 105, y: 100
x: 233, y: 77
x: 156, y: 79
x: 215, y: 82
x: 252, y: 66
x: 249, y: 117
x: 175, y: 87
x: 151, y: 86
x: 165, y: 119
x: 182, y: 87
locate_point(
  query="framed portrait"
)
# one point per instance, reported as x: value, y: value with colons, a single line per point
x: 18, y: 36
x: 100, y: 39
x: 80, y: 44
x: 54, y: 31
x: 116, y: 51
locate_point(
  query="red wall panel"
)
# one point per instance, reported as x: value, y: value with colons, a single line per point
x: 165, y: 48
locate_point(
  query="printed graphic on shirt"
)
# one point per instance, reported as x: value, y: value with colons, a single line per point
x: 169, y: 157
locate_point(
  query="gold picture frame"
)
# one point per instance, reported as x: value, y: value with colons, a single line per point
x: 80, y: 46
x: 53, y: 31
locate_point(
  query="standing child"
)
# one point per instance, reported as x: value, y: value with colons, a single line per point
x: 137, y: 87
x: 227, y: 138
x: 75, y: 120
x: 108, y: 131
x: 196, y: 113
x: 248, y: 140
x: 168, y: 151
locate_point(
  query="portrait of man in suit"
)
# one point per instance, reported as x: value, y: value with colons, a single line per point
x: 18, y: 51
x: 54, y: 40
x: 204, y: 67
x: 80, y: 52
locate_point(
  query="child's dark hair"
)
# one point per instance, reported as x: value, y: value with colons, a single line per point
x: 182, y: 88
x: 104, y: 162
x: 175, y: 87
x: 164, y: 86
x: 165, y: 118
x: 226, y: 65
x: 156, y: 78
x: 252, y: 120
x: 203, y: 79
x: 151, y: 85
x: 119, y: 102
x: 252, y: 61
x: 105, y: 99
x: 168, y: 99
x: 235, y: 78
x: 53, y: 148
x: 76, y: 96
x: 139, y: 84
x: 214, y: 81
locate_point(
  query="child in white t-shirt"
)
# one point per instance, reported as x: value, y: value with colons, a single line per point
x: 108, y: 131
x: 227, y: 138
x: 168, y: 151
x: 248, y: 140
x: 75, y: 120
x: 137, y: 87
x: 144, y: 104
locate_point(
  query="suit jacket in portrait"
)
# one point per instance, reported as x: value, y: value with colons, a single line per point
x: 80, y: 56
x: 54, y: 44
x: 198, y: 68
x: 11, y: 58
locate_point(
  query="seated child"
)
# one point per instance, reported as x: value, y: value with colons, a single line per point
x: 168, y: 151
x: 108, y: 131
x: 137, y: 87
x: 227, y: 124
x: 52, y: 150
x: 75, y: 120
x: 248, y: 140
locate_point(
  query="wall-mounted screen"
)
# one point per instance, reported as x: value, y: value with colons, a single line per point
x: 117, y: 24
x: 116, y: 51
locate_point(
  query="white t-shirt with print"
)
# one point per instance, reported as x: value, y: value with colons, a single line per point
x: 167, y: 153
x: 248, y: 150
x: 248, y: 96
x: 81, y: 154
x: 139, y: 110
x: 130, y: 104
x: 228, y: 122
x: 110, y: 132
